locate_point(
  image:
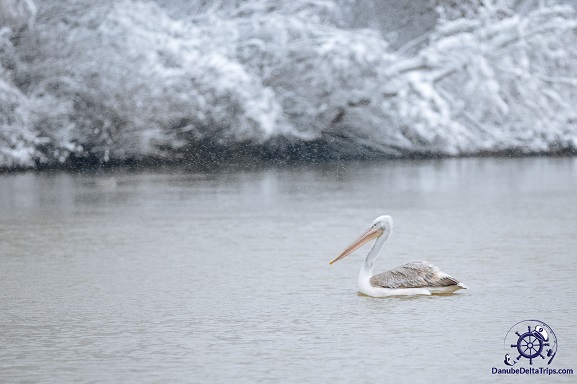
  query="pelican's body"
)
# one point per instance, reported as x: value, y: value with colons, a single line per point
x: 412, y: 278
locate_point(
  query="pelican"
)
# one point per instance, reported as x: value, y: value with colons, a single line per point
x: 541, y: 333
x: 412, y: 278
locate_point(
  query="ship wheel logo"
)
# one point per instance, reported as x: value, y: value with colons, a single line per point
x: 532, y: 340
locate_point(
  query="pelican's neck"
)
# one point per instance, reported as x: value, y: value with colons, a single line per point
x: 367, y: 268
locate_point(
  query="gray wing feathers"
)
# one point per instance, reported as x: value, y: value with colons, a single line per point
x: 414, y: 274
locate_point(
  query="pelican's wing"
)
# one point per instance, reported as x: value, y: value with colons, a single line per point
x: 414, y: 274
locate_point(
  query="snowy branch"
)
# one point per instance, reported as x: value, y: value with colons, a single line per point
x: 124, y: 80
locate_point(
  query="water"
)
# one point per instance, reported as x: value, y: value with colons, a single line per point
x: 186, y: 277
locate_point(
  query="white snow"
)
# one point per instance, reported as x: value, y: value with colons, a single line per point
x: 124, y: 80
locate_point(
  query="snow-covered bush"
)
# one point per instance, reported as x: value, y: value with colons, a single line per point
x: 17, y: 139
x: 493, y: 84
x: 123, y: 80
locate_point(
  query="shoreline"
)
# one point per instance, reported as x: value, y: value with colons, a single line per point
x: 255, y: 159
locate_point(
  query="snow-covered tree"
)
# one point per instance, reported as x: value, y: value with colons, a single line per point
x: 126, y: 80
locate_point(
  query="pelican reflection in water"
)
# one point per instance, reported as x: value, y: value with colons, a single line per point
x: 412, y: 278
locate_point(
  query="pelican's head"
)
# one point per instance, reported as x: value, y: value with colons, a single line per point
x: 541, y: 333
x: 383, y: 225
x: 384, y: 222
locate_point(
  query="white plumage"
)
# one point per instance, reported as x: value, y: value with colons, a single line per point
x: 412, y: 278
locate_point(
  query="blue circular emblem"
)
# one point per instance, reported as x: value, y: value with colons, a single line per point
x: 532, y: 340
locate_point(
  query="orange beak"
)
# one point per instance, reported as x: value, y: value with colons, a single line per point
x: 370, y: 234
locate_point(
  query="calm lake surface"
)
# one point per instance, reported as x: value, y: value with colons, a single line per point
x: 178, y: 276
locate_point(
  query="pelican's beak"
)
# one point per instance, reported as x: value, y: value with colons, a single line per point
x: 370, y: 234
